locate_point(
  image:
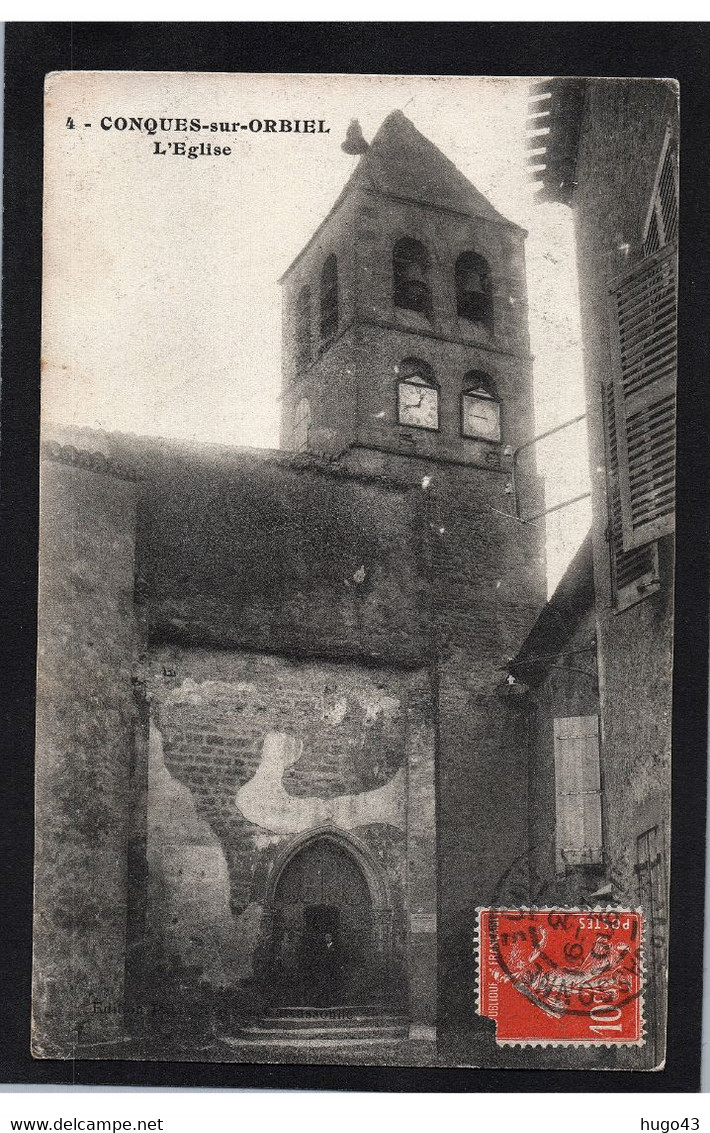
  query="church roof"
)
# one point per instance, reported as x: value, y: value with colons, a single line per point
x: 401, y: 162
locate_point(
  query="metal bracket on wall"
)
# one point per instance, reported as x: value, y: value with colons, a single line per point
x: 528, y: 444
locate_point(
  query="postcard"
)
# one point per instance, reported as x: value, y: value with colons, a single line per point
x: 356, y: 569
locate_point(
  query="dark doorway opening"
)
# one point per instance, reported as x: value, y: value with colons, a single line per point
x: 322, y: 943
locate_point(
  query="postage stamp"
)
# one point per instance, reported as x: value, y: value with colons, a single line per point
x: 567, y: 977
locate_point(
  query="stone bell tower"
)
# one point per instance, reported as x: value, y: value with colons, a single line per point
x: 406, y: 355
x: 405, y: 315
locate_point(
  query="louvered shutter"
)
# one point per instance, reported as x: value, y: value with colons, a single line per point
x: 653, y: 237
x: 662, y: 222
x: 667, y: 193
x: 634, y: 574
x: 578, y: 791
x: 643, y: 313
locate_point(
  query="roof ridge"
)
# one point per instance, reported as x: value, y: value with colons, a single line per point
x: 399, y: 130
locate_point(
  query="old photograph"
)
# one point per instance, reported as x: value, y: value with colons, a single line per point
x: 356, y: 569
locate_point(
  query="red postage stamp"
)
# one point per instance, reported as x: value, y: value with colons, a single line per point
x: 561, y: 976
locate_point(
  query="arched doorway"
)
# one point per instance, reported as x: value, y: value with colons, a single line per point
x: 325, y: 935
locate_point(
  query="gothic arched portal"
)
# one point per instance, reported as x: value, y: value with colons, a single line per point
x: 330, y: 925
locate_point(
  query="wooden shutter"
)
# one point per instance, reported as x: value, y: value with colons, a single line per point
x: 662, y: 222
x: 578, y: 809
x: 667, y: 192
x: 643, y: 312
x: 653, y: 237
x: 634, y: 574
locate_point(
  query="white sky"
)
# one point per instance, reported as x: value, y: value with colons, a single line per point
x: 161, y: 302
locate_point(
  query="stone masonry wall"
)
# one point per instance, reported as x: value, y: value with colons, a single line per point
x: 250, y: 548
x: 485, y: 574
x: 88, y: 639
x: 350, y: 383
x: 254, y: 550
x: 252, y: 570
x: 323, y: 746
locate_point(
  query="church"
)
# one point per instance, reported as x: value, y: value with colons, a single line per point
x: 278, y: 763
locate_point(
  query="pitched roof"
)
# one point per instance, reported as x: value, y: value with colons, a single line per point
x: 559, y: 617
x: 401, y: 161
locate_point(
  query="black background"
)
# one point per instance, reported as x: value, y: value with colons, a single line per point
x: 668, y: 50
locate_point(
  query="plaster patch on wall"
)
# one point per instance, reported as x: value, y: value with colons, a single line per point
x: 265, y: 802
x: 386, y: 706
x: 263, y: 841
x: 337, y: 713
x: 205, y: 692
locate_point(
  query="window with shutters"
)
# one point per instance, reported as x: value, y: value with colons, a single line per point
x: 578, y: 809
x: 329, y: 299
x: 634, y: 574
x: 661, y: 226
x: 643, y: 315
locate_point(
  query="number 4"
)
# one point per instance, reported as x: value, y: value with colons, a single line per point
x: 70, y: 123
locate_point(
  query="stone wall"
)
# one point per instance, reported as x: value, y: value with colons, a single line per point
x: 248, y: 754
x: 350, y: 383
x: 483, y: 569
x: 263, y: 551
x: 88, y: 639
x: 325, y: 649
x: 485, y: 573
x: 332, y: 728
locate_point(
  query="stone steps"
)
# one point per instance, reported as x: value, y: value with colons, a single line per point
x: 361, y: 1030
x: 354, y: 1022
x: 321, y: 1030
x: 243, y: 1042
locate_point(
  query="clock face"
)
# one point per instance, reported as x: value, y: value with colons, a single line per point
x: 481, y: 417
x: 418, y: 404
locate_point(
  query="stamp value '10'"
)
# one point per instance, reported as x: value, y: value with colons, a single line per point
x: 561, y: 976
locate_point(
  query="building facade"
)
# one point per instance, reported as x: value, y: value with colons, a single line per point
x: 611, y: 154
